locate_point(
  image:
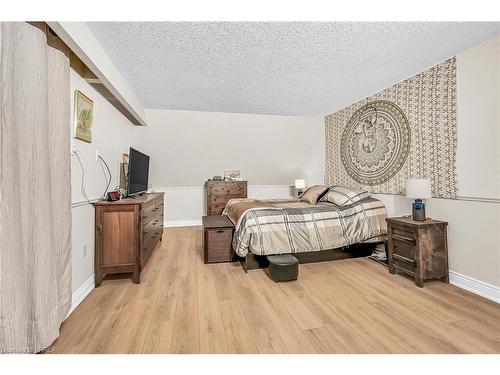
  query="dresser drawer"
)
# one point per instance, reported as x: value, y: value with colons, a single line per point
x: 403, y: 232
x: 148, y: 247
x: 148, y: 212
x: 152, y: 236
x: 404, y: 249
x: 151, y: 210
x: 403, y: 255
x: 216, y: 201
x: 159, y: 208
x: 227, y: 188
x: 154, y: 225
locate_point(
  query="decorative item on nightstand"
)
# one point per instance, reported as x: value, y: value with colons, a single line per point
x: 300, y: 185
x: 418, y: 189
x: 232, y: 175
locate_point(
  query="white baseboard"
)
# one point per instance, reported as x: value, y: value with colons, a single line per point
x: 475, y: 286
x: 182, y: 223
x: 82, y: 292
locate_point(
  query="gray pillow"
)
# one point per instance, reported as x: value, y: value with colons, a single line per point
x: 312, y: 194
x: 343, y: 196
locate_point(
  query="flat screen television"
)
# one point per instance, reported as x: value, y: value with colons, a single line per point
x: 138, y: 172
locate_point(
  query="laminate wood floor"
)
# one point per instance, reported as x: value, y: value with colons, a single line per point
x: 345, y: 306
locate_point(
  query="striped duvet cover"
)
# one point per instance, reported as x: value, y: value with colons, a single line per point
x: 267, y: 227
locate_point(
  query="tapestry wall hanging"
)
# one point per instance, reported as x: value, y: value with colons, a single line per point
x: 405, y: 131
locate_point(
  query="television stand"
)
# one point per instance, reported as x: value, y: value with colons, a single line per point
x: 135, y: 196
x: 126, y: 233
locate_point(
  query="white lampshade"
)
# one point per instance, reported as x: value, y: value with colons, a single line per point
x: 300, y: 184
x: 418, y: 188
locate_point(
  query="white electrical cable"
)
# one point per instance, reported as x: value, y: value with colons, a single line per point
x: 108, y: 181
x: 82, y: 185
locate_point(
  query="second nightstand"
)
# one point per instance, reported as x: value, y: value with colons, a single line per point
x: 217, y: 239
x: 418, y: 248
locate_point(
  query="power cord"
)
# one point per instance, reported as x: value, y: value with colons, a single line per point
x: 82, y: 185
x: 102, y: 161
x: 107, y: 173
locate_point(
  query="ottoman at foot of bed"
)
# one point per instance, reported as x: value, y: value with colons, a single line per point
x: 283, y: 267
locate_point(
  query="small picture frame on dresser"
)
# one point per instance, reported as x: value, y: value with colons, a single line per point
x: 232, y: 175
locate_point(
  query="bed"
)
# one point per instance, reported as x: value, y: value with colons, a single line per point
x: 312, y: 232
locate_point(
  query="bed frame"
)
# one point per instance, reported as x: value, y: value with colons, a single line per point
x: 252, y: 261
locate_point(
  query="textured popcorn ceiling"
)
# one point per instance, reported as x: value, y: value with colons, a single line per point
x: 276, y: 68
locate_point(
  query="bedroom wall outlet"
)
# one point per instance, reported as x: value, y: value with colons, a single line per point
x: 84, y: 250
x: 96, y: 155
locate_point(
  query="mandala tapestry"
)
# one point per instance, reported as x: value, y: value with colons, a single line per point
x: 375, y: 142
x: 405, y: 131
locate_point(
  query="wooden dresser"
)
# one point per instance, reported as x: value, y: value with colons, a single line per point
x: 220, y: 192
x: 418, y: 248
x: 126, y: 233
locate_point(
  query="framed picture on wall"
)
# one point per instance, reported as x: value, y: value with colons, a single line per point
x: 84, y: 112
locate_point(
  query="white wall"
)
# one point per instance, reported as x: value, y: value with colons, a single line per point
x: 185, y: 205
x: 112, y: 135
x: 478, y: 118
x: 187, y: 148
x: 474, y: 218
x: 474, y: 235
x: 314, y: 172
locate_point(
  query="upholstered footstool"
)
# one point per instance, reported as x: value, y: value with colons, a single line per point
x: 283, y: 267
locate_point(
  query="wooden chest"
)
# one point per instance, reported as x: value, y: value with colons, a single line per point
x: 220, y: 192
x: 126, y: 233
x: 217, y: 239
x: 418, y: 248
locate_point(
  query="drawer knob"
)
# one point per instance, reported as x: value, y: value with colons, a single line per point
x: 220, y: 231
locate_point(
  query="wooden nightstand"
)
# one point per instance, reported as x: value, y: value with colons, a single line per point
x: 218, y: 238
x: 418, y: 248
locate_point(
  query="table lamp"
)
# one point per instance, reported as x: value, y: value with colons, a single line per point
x: 300, y: 185
x: 418, y: 189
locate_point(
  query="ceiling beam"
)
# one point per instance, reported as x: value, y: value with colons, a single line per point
x: 93, y: 64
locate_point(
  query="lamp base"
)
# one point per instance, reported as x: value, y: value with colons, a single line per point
x: 418, y: 210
